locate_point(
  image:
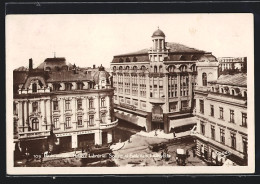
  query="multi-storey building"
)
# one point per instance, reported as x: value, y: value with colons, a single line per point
x: 232, y: 63
x: 154, y: 87
x: 221, y: 111
x: 75, y: 104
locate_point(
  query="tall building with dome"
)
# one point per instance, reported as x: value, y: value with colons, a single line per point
x: 154, y: 86
x: 60, y: 99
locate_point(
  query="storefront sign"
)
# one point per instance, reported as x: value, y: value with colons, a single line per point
x: 74, y: 133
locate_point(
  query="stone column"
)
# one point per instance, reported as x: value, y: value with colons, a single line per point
x: 166, y: 91
x: 20, y: 113
x: 85, y: 110
x: 48, y: 111
x: 158, y: 89
x: 74, y: 141
x: 98, y: 137
x: 26, y: 116
x: 109, y: 136
x: 108, y: 109
x: 97, y: 107
x: 190, y: 90
x: 61, y: 107
x: 178, y: 90
x: 138, y: 89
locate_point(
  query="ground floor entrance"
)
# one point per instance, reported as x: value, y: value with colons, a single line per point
x: 157, y: 126
x: 86, y: 140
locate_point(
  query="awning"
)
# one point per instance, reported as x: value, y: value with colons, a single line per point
x: 182, y: 122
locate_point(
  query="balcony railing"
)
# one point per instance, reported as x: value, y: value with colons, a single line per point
x: 202, y: 88
x: 34, y: 134
x: 109, y: 125
x: 157, y: 100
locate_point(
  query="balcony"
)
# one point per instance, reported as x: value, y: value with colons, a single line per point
x: 202, y: 88
x: 109, y: 125
x: 23, y: 135
x: 157, y: 100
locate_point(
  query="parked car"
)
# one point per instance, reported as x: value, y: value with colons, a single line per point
x: 157, y: 147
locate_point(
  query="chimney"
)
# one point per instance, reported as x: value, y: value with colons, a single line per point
x: 30, y: 64
x: 94, y: 66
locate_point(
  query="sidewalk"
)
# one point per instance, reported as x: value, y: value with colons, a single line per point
x: 161, y: 134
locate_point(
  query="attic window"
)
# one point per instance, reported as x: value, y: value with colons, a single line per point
x: 80, y: 85
x: 34, y: 87
x: 134, y: 59
x: 127, y: 59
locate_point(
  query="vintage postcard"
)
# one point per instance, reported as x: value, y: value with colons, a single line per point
x: 130, y: 94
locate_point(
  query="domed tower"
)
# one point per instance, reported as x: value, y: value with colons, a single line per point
x: 158, y: 39
x: 102, y: 78
x: 159, y: 51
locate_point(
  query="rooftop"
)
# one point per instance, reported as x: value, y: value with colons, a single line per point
x: 174, y: 48
x: 239, y: 79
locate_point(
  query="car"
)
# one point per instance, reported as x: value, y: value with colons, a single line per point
x: 157, y: 147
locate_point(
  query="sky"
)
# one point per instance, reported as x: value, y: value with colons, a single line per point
x: 95, y: 38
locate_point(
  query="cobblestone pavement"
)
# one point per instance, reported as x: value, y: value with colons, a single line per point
x: 137, y: 152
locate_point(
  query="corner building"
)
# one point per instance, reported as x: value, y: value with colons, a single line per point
x: 154, y: 87
x: 73, y: 103
x: 221, y: 113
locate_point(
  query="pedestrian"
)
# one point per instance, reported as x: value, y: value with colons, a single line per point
x: 155, y: 132
x: 162, y: 155
x: 194, y: 152
x: 174, y: 135
x: 187, y: 153
x: 82, y: 150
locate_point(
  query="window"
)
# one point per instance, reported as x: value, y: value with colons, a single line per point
x: 79, y: 120
x: 212, y: 110
x: 202, y: 106
x: 213, y: 132
x: 222, y: 136
x: 231, y: 116
x: 103, y: 104
x: 244, y: 119
x: 68, y: 122
x: 79, y: 103
x: 204, y: 79
x: 233, y: 140
x: 244, y: 140
x: 35, y: 106
x: 79, y: 85
x: 202, y: 128
x: 55, y: 105
x: 35, y: 124
x: 68, y: 86
x: 91, y: 103
x: 67, y: 105
x: 221, y: 112
x: 34, y: 87
x: 56, y: 122
x: 91, y: 120
x: 103, y: 118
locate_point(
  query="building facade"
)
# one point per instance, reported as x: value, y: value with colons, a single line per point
x: 63, y: 100
x: 154, y: 87
x: 221, y: 112
x: 232, y: 63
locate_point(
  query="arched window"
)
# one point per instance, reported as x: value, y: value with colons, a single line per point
x: 35, y: 124
x: 232, y: 92
x: 127, y: 59
x: 155, y: 69
x: 160, y: 69
x: 114, y: 68
x: 245, y: 94
x: 212, y: 89
x: 143, y: 68
x: 135, y: 68
x: 222, y: 90
x: 35, y: 106
x: 183, y: 68
x: 204, y: 79
x: 127, y: 68
x: 120, y: 68
x: 34, y: 88
x: 193, y: 68
x: 171, y: 68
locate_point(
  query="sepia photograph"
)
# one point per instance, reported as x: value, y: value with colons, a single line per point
x: 130, y: 93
